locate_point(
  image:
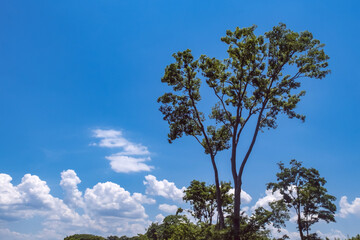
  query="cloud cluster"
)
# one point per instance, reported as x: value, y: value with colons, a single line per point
x: 31, y: 197
x: 347, y: 208
x: 105, y: 208
x: 132, y: 156
x: 163, y: 188
x: 110, y: 200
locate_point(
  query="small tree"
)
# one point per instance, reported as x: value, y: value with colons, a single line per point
x: 202, y: 199
x: 254, y: 227
x: 303, y: 190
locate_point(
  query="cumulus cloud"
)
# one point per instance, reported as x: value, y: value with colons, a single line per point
x: 143, y: 198
x: 245, y: 197
x: 163, y: 188
x: 132, y: 156
x: 31, y: 197
x: 347, y: 208
x: 269, y: 197
x: 333, y: 234
x: 105, y: 208
x: 8, y: 193
x: 109, y: 199
x: 168, y: 208
x: 69, y: 182
x: 279, y: 233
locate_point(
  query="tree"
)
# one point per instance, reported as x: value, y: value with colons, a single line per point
x: 258, y: 81
x: 303, y: 190
x: 254, y: 227
x: 202, y: 199
x: 84, y: 237
x: 175, y: 227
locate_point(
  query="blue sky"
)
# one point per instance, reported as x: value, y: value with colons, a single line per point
x: 78, y: 87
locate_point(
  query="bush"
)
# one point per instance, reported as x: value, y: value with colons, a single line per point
x: 84, y: 237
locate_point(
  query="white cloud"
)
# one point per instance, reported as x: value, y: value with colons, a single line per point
x: 269, y: 197
x: 245, y: 197
x: 125, y: 160
x: 347, y: 208
x: 126, y: 164
x: 69, y: 182
x: 168, y: 208
x: 109, y: 199
x: 31, y: 197
x: 163, y: 188
x: 143, y: 198
x: 11, y: 235
x: 333, y: 234
x: 106, y: 209
x: 114, y: 139
x: 8, y: 193
x: 278, y: 234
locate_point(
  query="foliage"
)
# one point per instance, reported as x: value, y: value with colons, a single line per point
x: 84, y: 237
x: 255, y: 226
x: 173, y: 227
x: 259, y: 80
x: 357, y: 237
x: 140, y: 237
x: 93, y: 237
x: 180, y: 110
x: 303, y: 190
x: 202, y: 199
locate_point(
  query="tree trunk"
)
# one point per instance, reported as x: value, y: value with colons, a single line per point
x: 300, y: 227
x: 237, y: 192
x: 238, y: 177
x: 236, y: 217
x: 218, y: 195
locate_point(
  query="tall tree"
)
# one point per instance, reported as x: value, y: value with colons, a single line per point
x: 258, y: 81
x: 303, y: 190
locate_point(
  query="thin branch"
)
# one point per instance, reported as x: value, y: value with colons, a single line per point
x: 243, y: 125
x: 222, y: 103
